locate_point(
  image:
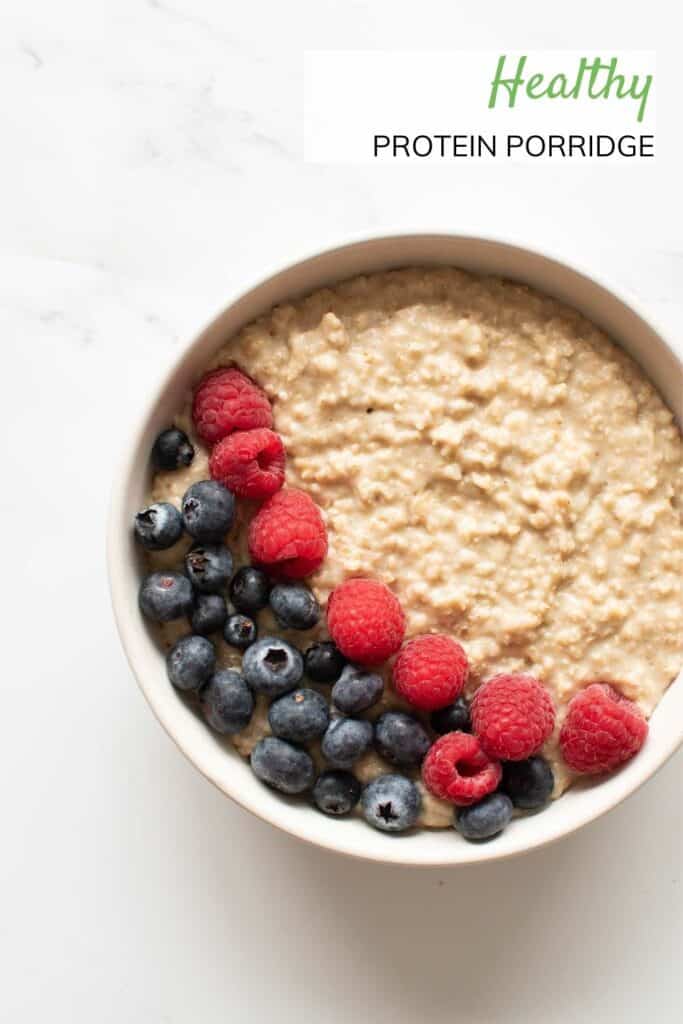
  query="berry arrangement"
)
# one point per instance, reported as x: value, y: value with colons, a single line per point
x: 482, y: 756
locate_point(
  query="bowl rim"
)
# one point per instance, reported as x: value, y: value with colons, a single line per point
x: 127, y: 465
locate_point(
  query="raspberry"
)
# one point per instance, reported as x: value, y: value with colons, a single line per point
x: 457, y: 769
x: 602, y: 730
x: 226, y: 400
x: 430, y: 671
x: 250, y: 463
x: 288, y: 535
x: 365, y: 621
x: 513, y: 716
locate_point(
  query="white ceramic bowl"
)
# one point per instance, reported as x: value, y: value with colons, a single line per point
x: 213, y: 757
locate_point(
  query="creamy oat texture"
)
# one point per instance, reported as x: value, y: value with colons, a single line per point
x: 496, y: 460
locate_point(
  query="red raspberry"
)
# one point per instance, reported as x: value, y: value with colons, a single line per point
x: 226, y: 400
x: 365, y: 621
x: 513, y: 716
x: 457, y: 769
x: 250, y: 463
x: 602, y: 730
x: 430, y: 671
x: 288, y: 535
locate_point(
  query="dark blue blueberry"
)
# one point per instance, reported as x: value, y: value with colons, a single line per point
x: 485, y: 819
x: 240, y: 631
x: 158, y: 526
x: 336, y: 792
x: 208, y: 511
x: 227, y: 702
x: 357, y: 690
x: 249, y: 590
x: 345, y: 740
x: 528, y: 783
x: 209, y: 567
x: 324, y: 662
x: 299, y: 716
x: 391, y: 803
x: 453, y: 718
x: 400, y: 738
x: 283, y: 766
x: 272, y: 666
x: 172, y: 449
x: 209, y: 615
x: 165, y: 596
x: 294, y: 606
x: 190, y: 662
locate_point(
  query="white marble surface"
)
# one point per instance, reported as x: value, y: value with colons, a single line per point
x: 152, y: 162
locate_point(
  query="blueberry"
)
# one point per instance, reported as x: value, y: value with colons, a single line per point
x: 294, y: 606
x: 299, y: 716
x: 240, y: 631
x: 272, y: 666
x: 324, y: 662
x: 357, y: 690
x: 227, y: 702
x: 190, y: 662
x: 282, y: 765
x: 158, y: 526
x: 209, y: 567
x: 209, y: 615
x: 391, y: 803
x: 172, y: 449
x: 400, y: 738
x: 528, y: 783
x: 453, y: 718
x: 208, y: 511
x: 485, y: 819
x: 336, y: 792
x: 249, y: 590
x: 165, y: 596
x: 345, y: 740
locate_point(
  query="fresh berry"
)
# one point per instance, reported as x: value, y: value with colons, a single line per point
x: 282, y: 765
x: 227, y: 702
x: 158, y: 526
x: 400, y: 738
x: 528, y: 783
x: 357, y: 690
x: 165, y: 596
x: 249, y: 590
x: 602, y: 730
x: 226, y: 400
x: 209, y: 567
x: 486, y: 819
x: 299, y: 716
x: 250, y: 463
x: 391, y: 803
x: 430, y: 671
x: 324, y: 662
x: 288, y: 535
x: 336, y: 792
x: 209, y: 615
x: 457, y: 769
x: 453, y: 718
x: 513, y: 716
x: 346, y: 740
x: 272, y: 666
x: 208, y: 511
x: 365, y: 621
x: 240, y: 631
x: 190, y: 662
x: 294, y: 606
x: 172, y: 449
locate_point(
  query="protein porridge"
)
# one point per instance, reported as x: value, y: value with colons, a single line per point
x: 494, y: 459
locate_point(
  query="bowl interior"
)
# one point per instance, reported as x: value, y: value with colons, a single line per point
x: 214, y: 757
